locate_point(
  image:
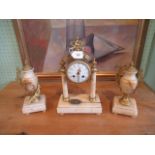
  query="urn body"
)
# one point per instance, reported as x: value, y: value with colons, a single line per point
x: 29, y: 79
x: 128, y: 82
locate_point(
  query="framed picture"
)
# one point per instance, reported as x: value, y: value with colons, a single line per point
x: 113, y: 42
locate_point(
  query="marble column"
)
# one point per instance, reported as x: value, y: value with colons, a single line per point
x: 64, y: 84
x: 93, y: 82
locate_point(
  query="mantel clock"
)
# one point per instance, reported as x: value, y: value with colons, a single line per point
x: 76, y: 67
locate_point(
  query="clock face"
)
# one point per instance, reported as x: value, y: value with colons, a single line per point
x: 78, y: 71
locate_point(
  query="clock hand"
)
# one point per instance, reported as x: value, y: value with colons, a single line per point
x: 78, y: 75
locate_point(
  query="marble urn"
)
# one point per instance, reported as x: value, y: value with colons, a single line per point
x: 128, y: 82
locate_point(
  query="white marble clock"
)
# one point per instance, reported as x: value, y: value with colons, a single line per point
x: 77, y: 69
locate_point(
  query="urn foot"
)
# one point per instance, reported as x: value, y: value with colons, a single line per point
x: 34, y: 107
x: 129, y: 110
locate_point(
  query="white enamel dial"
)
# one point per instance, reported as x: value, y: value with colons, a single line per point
x: 78, y: 71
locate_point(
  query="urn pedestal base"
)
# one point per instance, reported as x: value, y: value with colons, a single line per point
x: 129, y: 110
x: 34, y: 107
x: 84, y: 107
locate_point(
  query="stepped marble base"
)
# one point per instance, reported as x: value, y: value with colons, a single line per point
x: 84, y: 107
x: 34, y: 107
x: 130, y: 110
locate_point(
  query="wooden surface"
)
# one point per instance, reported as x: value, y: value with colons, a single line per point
x: 12, y: 121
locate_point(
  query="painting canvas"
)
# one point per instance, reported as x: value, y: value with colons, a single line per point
x: 112, y: 42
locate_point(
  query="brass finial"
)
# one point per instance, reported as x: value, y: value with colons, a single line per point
x: 132, y: 67
x: 94, y: 61
x: 62, y: 64
x: 26, y: 66
x: 94, y: 69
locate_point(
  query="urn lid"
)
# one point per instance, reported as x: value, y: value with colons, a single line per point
x: 131, y: 68
x: 26, y: 66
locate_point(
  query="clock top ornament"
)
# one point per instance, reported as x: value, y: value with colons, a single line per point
x: 77, y: 44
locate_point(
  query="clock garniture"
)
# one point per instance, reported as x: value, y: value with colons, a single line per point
x: 76, y: 68
x: 34, y: 102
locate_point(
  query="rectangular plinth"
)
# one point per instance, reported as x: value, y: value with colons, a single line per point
x: 85, y: 106
x: 34, y: 107
x: 130, y: 110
